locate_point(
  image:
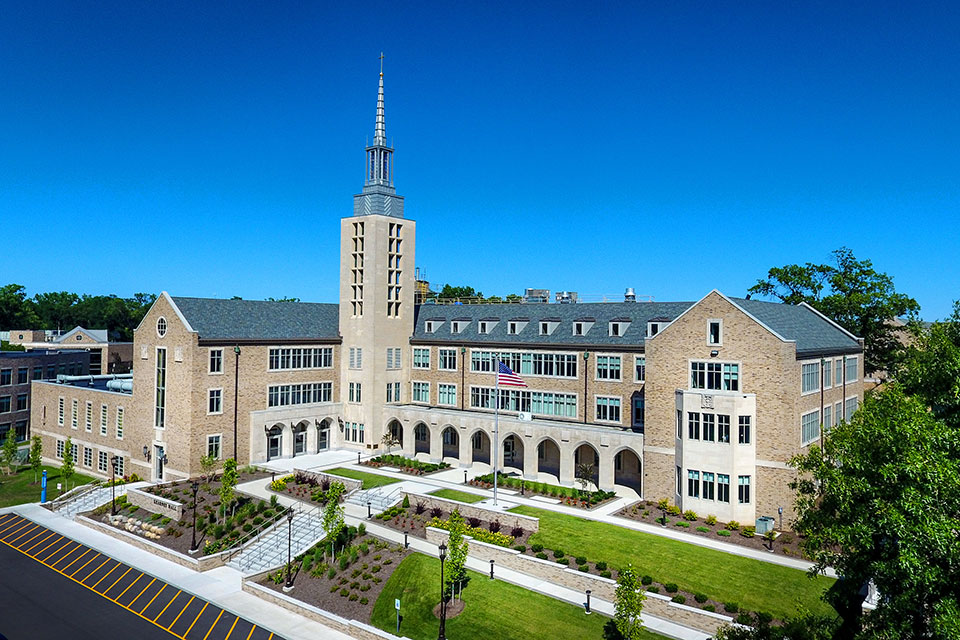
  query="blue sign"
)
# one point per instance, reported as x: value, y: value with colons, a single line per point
x: 43, y: 487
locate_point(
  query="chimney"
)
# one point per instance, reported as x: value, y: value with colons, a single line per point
x: 630, y: 295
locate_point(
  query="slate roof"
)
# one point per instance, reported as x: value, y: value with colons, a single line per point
x: 260, y: 320
x: 813, y: 334
x: 100, y: 335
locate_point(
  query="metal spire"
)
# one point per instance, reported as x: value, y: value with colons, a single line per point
x: 380, y: 131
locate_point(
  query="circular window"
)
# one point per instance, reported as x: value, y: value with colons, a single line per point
x: 79, y: 337
x: 21, y: 337
x: 161, y: 327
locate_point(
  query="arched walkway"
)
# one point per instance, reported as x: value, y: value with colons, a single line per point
x: 627, y: 470
x: 548, y: 457
x: 274, y: 442
x: 513, y: 452
x: 421, y: 437
x: 586, y: 464
x: 451, y: 442
x: 480, y: 447
x: 300, y: 438
x: 395, y: 429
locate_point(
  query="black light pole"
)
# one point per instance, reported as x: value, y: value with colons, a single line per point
x: 443, y: 601
x: 289, y: 585
x: 194, y: 486
x: 587, y: 611
x: 236, y: 387
x: 114, y: 463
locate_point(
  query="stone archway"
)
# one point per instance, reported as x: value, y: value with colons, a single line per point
x: 395, y: 429
x: 628, y: 470
x: 548, y: 457
x: 299, y: 438
x: 513, y: 452
x: 421, y: 438
x: 450, y: 440
x: 480, y: 447
x: 585, y: 454
x: 274, y: 442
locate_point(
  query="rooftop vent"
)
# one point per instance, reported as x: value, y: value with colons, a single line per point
x: 630, y: 295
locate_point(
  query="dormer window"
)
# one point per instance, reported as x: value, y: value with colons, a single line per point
x: 548, y: 326
x: 512, y: 329
x: 429, y: 326
x: 486, y: 326
x: 516, y: 325
x: 483, y: 327
x: 618, y: 328
x: 653, y: 328
x: 544, y: 328
x: 578, y: 328
x: 455, y: 327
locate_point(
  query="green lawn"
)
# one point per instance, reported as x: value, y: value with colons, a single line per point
x: 16, y: 489
x: 753, y: 584
x: 370, y: 480
x: 494, y: 609
x: 459, y: 496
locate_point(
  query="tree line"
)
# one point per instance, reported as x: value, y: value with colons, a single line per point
x: 65, y: 310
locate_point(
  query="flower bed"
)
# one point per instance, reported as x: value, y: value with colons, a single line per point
x: 406, y: 465
x: 693, y: 524
x: 414, y: 520
x: 307, y: 487
x: 566, y: 495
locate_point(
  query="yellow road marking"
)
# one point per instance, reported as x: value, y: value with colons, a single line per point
x: 213, y: 625
x: 64, y: 556
x: 162, y: 587
x: 24, y: 533
x: 271, y: 637
x: 27, y: 541
x: 128, y: 587
x: 117, y: 580
x: 141, y: 592
x: 168, y: 604
x: 105, y: 575
x: 251, y: 631
x: 187, y: 632
x: 75, y: 559
x: 84, y: 565
x: 37, y: 544
x: 11, y: 523
x: 99, y: 566
x: 11, y: 529
x: 235, y: 621
x: 7, y: 517
x: 181, y: 613
x: 48, y: 546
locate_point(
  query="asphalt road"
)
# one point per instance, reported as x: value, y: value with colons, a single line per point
x: 53, y: 588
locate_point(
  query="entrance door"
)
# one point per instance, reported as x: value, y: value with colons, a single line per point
x: 508, y: 451
x: 273, y: 446
x: 300, y: 442
x: 323, y: 440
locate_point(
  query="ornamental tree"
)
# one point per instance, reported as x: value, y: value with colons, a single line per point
x: 333, y: 514
x: 458, y: 549
x: 66, y: 470
x: 36, y: 456
x: 628, y: 604
x: 931, y: 367
x: 228, y: 483
x: 8, y: 455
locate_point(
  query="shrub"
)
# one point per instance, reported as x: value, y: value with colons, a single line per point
x: 364, y: 600
x: 333, y: 588
x: 361, y: 529
x: 673, y: 510
x: 733, y: 525
x: 682, y: 523
x: 355, y: 573
x: 388, y: 561
x: 671, y: 587
x: 645, y: 580
x: 606, y: 574
x: 307, y: 563
x: 406, y: 501
x: 711, y: 520
x: 581, y: 560
x: 517, y: 532
x: 247, y: 527
x: 344, y: 592
x: 519, y: 547
x: 344, y: 562
x: 473, y: 522
x: 558, y: 553
x: 653, y: 589
x: 748, y: 532
x: 436, y: 512
x: 541, y: 555
x: 689, y: 515
x: 679, y: 599
x: 731, y: 607
x: 703, y: 529
x: 744, y: 618
x: 494, y: 526
x: 353, y: 597
x: 419, y: 508
x: 709, y: 607
x: 601, y: 566
x: 564, y: 561
x: 700, y: 597
x: 258, y: 520
x: 724, y: 533
x: 536, y: 547
x: 332, y: 572
x: 764, y: 618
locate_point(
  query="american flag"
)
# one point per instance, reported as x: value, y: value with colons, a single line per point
x: 507, y: 378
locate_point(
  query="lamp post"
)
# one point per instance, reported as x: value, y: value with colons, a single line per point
x: 491, y: 569
x: 443, y: 602
x: 289, y: 584
x: 194, y: 486
x: 114, y: 463
x: 236, y: 386
x: 587, y: 611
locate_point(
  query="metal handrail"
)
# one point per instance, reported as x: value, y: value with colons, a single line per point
x: 243, y: 541
x: 72, y: 494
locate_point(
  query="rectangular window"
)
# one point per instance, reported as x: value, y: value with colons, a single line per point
x: 87, y: 457
x: 679, y: 483
x: 161, y: 389
x: 103, y: 419
x: 743, y: 489
x: 303, y: 358
x: 75, y: 452
x: 707, y: 486
x: 421, y: 392
x: 213, y: 446
x: 216, y: 360
x: 608, y: 367
x: 827, y: 418
x: 421, y: 358
x: 640, y: 364
x: 37, y: 373
x: 88, y: 417
x: 60, y: 446
x: 715, y: 376
x: 51, y: 371
x: 447, y: 394
x: 709, y: 427
x: 693, y: 425
x: 744, y: 435
x: 638, y: 410
x: 215, y: 401
x: 354, y: 393
x: 393, y: 358
x: 60, y: 411
x: 389, y: 392
x: 837, y: 373
x: 810, y: 377
x: 361, y: 432
x: 679, y: 424
x: 21, y: 402
x: 723, y: 428
x: 731, y: 377
x: 448, y: 360
x: 693, y: 483
x: 120, y: 466
x: 396, y: 392
x: 850, y: 407
x: 608, y: 409
x: 74, y: 414
x: 827, y: 374
x: 304, y: 393
x: 119, y: 423
x: 713, y: 333
x: 6, y: 377
x: 851, y: 368
x: 723, y: 487
x: 809, y: 427
x: 102, y: 461
x: 22, y: 375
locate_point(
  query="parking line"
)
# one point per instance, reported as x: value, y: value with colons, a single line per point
x: 24, y: 533
x: 235, y: 621
x: 99, y: 566
x: 128, y: 587
x: 168, y: 604
x: 7, y: 517
x: 94, y: 587
x: 205, y: 604
x: 116, y: 581
x: 251, y: 631
x: 59, y: 538
x: 213, y: 625
x: 64, y: 556
x: 141, y: 592
x: 33, y: 537
x: 11, y: 523
x: 180, y: 614
x: 37, y: 544
x: 12, y: 529
x: 162, y: 587
x: 271, y: 637
x: 75, y: 559
x: 85, y: 564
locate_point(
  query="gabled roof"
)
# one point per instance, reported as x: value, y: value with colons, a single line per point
x: 100, y: 335
x: 260, y: 320
x: 814, y: 333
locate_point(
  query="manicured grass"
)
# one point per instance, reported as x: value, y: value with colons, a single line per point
x: 753, y: 584
x: 16, y: 489
x: 494, y: 609
x: 370, y: 480
x: 459, y: 496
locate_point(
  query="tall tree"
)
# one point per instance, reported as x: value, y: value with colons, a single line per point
x: 36, y: 456
x: 458, y: 550
x: 449, y: 291
x: 333, y: 514
x: 56, y: 309
x: 628, y: 604
x: 8, y: 455
x: 931, y: 367
x: 881, y: 503
x: 16, y: 310
x: 852, y: 293
x: 66, y: 470
x: 228, y: 484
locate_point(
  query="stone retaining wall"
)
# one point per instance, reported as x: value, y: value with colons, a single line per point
x: 155, y: 504
x: 352, y: 628
x: 603, y: 588
x: 507, y: 520
x: 350, y: 484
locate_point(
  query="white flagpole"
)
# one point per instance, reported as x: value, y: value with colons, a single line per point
x: 496, y: 429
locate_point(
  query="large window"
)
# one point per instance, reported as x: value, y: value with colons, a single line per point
x: 723, y: 487
x: 393, y: 358
x: 356, y: 357
x: 161, y: 389
x: 827, y: 418
x: 282, y: 395
x: 850, y: 407
x: 693, y: 425
x: 827, y: 374
x: 215, y: 401
x: 543, y: 403
x: 809, y: 427
x: 355, y: 389
x: 21, y: 402
x: 744, y: 430
x: 421, y: 392
x: 448, y: 360
x: 556, y: 365
x: 640, y: 365
x: 851, y: 367
x: 304, y: 358
x: 22, y: 375
x: 213, y: 446
x: 6, y: 377
x: 421, y: 358
x: 216, y: 361
x: 810, y: 380
x: 709, y: 427
x: 447, y: 394
x: 693, y: 483
x: 608, y: 409
x: 743, y: 489
x: 608, y: 367
x: 716, y: 376
x: 393, y: 392
x: 707, y: 486
x: 723, y: 428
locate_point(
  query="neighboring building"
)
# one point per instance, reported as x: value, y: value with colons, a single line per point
x: 701, y: 402
x: 18, y: 369
x: 105, y: 356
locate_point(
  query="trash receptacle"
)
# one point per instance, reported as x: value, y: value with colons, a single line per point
x: 765, y: 524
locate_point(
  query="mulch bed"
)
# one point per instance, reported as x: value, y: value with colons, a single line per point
x: 787, y: 543
x: 345, y: 592
x: 567, y: 496
x: 409, y: 466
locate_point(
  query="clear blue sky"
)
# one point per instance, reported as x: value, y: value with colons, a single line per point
x: 210, y: 149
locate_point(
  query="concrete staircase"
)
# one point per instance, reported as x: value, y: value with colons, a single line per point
x: 379, y: 499
x: 85, y: 499
x: 269, y: 549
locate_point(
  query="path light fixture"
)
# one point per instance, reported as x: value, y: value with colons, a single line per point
x: 289, y: 584
x: 369, y: 513
x: 406, y: 543
x: 443, y: 601
x: 358, y: 457
x: 587, y: 608
x: 114, y: 464
x: 491, y: 569
x: 194, y: 486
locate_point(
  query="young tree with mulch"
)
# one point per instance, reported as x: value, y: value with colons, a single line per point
x: 333, y: 515
x: 36, y: 456
x: 628, y: 603
x: 458, y: 551
x: 228, y: 483
x: 66, y: 471
x: 9, y: 454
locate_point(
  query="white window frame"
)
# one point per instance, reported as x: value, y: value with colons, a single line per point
x: 103, y: 461
x: 636, y: 368
x: 61, y: 448
x: 210, y: 361
x: 710, y: 323
x: 856, y: 369
x: 88, y: 417
x: 609, y: 407
x: 440, y: 393
x: 826, y: 373
x: 210, y: 397
x: 219, y: 441
x: 804, y: 366
x: 160, y: 393
x: 804, y: 441
x: 161, y: 327
x: 440, y: 364
x: 119, y: 421
x: 74, y: 413
x: 103, y: 419
x: 88, y: 455
x: 413, y: 391
x: 421, y: 358
x: 607, y: 369
x: 61, y: 410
